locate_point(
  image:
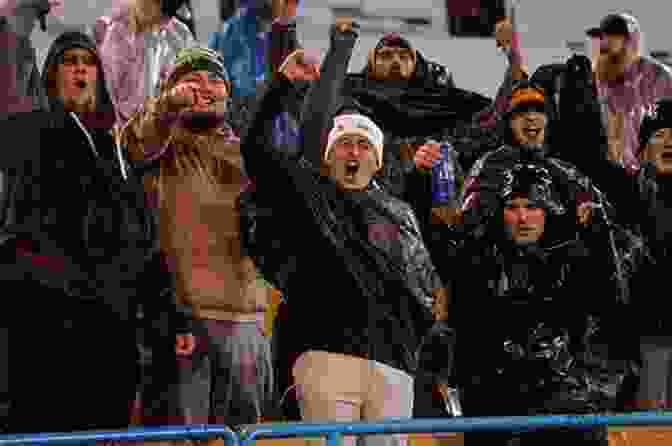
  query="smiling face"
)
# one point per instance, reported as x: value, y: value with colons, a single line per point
x: 77, y: 80
x: 352, y: 162
x: 524, y: 222
x: 529, y: 127
x: 659, y: 150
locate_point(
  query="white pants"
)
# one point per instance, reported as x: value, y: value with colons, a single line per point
x: 333, y: 387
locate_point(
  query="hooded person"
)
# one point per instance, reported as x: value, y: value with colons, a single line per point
x: 90, y: 259
x: 196, y: 178
x: 399, y: 84
x: 364, y: 329
x: 546, y: 331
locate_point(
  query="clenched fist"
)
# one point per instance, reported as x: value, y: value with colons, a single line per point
x: 427, y: 154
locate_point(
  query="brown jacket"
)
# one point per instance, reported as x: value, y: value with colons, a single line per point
x: 200, y: 231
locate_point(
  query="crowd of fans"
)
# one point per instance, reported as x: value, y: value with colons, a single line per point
x: 157, y: 193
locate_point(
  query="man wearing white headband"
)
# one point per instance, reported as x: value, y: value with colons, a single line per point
x: 354, y: 151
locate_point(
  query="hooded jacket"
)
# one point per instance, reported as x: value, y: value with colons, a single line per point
x: 73, y: 217
x: 553, y: 344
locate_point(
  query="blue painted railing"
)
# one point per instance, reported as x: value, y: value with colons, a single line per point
x: 166, y: 433
x: 247, y: 435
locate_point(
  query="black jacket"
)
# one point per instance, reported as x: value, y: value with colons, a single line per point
x: 64, y: 198
x: 376, y: 300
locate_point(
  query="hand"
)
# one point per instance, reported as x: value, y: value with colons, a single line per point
x: 180, y: 97
x: 300, y: 66
x: 185, y: 344
x: 440, y: 308
x: 504, y: 34
x: 584, y: 212
x: 426, y: 155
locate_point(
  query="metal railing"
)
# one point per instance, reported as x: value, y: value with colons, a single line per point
x: 165, y: 433
x: 334, y: 432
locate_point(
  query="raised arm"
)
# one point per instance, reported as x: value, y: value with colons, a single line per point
x: 325, y: 95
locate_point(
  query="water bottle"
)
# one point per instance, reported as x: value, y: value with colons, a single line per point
x: 443, y: 178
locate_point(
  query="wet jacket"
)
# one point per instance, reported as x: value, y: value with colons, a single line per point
x: 72, y: 222
x: 641, y: 201
x: 645, y: 81
x: 134, y: 62
x: 368, y: 243
x: 533, y: 332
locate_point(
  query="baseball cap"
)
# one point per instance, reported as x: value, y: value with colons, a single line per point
x: 615, y: 24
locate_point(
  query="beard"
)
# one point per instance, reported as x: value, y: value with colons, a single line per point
x: 612, y: 66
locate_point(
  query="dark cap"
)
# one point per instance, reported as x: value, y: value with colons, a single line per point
x: 615, y: 24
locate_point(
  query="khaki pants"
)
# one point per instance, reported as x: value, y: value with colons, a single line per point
x: 340, y: 388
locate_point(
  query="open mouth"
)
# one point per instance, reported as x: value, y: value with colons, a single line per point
x: 532, y: 132
x: 81, y: 84
x: 351, y: 168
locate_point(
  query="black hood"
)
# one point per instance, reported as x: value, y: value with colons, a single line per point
x: 104, y: 117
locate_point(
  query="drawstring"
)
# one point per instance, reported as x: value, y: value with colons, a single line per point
x: 86, y: 132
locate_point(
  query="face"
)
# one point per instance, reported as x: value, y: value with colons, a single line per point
x: 529, y: 127
x: 659, y: 150
x: 352, y: 162
x: 210, y: 91
x: 394, y: 63
x: 524, y: 223
x: 77, y: 80
x: 614, y: 56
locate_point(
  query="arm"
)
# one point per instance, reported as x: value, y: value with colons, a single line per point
x: 325, y: 94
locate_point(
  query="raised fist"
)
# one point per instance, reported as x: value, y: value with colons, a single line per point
x: 427, y: 154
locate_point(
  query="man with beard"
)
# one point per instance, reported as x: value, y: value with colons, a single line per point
x: 533, y: 339
x: 80, y: 245
x: 627, y: 83
x: 353, y: 357
x: 196, y: 186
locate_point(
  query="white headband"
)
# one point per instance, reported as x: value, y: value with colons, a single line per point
x: 356, y: 125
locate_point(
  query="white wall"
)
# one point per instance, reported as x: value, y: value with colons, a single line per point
x: 545, y: 25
